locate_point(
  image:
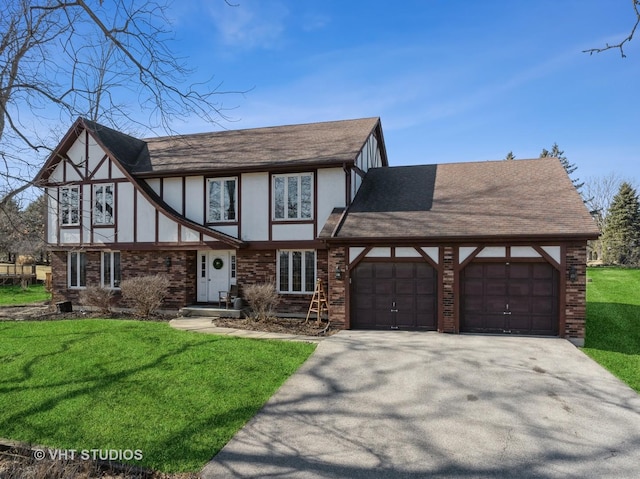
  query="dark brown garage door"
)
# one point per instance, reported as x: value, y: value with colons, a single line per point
x: 511, y: 298
x: 399, y: 295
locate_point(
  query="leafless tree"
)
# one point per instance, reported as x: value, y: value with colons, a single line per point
x: 620, y: 46
x: 599, y: 191
x: 60, y: 59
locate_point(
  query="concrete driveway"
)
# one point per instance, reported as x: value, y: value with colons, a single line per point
x: 372, y: 404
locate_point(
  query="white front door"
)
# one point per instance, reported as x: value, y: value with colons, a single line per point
x: 214, y: 274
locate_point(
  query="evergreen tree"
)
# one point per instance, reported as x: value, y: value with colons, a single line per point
x: 569, y: 167
x: 510, y: 156
x: 621, y: 235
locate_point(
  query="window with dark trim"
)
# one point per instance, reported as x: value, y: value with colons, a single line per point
x: 293, y: 196
x: 103, y: 204
x: 69, y: 205
x: 223, y: 199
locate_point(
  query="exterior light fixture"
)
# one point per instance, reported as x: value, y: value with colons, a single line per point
x: 167, y: 261
x: 338, y: 273
x: 573, y: 273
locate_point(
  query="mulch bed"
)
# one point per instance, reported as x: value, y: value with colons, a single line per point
x: 279, y: 325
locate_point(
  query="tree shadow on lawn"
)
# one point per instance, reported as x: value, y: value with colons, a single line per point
x: 169, y: 444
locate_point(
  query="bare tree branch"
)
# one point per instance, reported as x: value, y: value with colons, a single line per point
x: 620, y: 46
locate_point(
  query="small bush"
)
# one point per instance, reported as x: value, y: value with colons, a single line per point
x: 145, y: 293
x: 263, y: 299
x: 97, y: 296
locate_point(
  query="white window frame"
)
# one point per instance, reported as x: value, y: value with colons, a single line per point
x: 68, y: 207
x: 79, y: 279
x: 223, y: 214
x: 307, y: 285
x: 101, y: 218
x: 285, y: 214
x: 115, y: 273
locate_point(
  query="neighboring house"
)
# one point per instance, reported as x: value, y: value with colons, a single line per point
x: 497, y: 247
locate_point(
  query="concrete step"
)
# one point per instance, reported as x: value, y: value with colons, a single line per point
x: 210, y: 312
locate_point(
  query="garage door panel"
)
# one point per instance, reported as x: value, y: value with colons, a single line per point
x: 410, y: 286
x: 526, y: 292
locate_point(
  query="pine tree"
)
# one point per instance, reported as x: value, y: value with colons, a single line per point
x: 570, y: 168
x: 621, y: 235
x: 510, y: 156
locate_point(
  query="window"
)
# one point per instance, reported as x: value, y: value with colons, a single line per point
x: 296, y: 271
x: 77, y: 270
x: 70, y: 205
x: 103, y: 204
x: 233, y: 266
x: 222, y: 200
x: 111, y: 269
x: 293, y: 196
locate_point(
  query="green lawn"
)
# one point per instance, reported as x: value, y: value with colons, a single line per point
x: 113, y: 384
x: 15, y: 295
x: 613, y: 321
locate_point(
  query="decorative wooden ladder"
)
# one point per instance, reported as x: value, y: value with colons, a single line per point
x: 319, y: 304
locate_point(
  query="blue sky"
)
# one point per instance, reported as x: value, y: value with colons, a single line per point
x: 462, y: 80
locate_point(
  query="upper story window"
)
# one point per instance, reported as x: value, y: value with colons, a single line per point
x: 293, y: 196
x: 223, y: 200
x: 103, y: 204
x: 70, y: 205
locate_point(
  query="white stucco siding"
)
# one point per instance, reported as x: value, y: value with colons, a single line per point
x: 96, y: 154
x: 255, y: 212
x: 172, y: 193
x: 77, y: 154
x: 104, y: 235
x: 86, y: 205
x: 124, y: 212
x: 231, y: 230
x: 154, y: 183
x: 52, y: 214
x: 331, y: 191
x: 194, y: 209
x: 146, y: 220
x: 70, y: 236
x: 167, y: 229
x: 188, y: 235
x: 292, y: 232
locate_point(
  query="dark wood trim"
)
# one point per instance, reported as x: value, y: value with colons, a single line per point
x: 518, y: 240
x: 456, y: 289
x: 359, y: 171
x: 440, y: 325
x: 469, y: 258
x: 548, y: 257
x: 314, y: 196
x: 292, y: 222
x: 91, y: 175
x: 86, y: 154
x: 239, y: 207
x: 358, y: 258
x: 347, y: 186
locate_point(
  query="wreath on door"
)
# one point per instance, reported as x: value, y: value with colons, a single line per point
x: 218, y: 263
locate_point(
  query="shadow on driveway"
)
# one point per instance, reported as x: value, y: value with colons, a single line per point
x: 376, y: 404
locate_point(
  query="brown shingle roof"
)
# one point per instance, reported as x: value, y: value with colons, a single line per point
x: 259, y: 148
x: 519, y: 198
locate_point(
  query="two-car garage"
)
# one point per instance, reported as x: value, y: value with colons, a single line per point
x: 498, y: 297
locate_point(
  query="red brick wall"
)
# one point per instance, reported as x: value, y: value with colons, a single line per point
x: 337, y: 287
x: 576, y: 292
x: 448, y: 314
x: 182, y: 274
x: 255, y: 267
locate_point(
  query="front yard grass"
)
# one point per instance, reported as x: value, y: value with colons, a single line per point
x: 15, y: 295
x: 178, y: 397
x: 613, y: 321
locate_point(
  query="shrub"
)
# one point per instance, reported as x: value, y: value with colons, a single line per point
x: 97, y: 296
x: 262, y: 298
x: 145, y: 293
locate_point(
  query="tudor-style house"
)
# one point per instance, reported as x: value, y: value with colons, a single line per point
x: 497, y: 247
